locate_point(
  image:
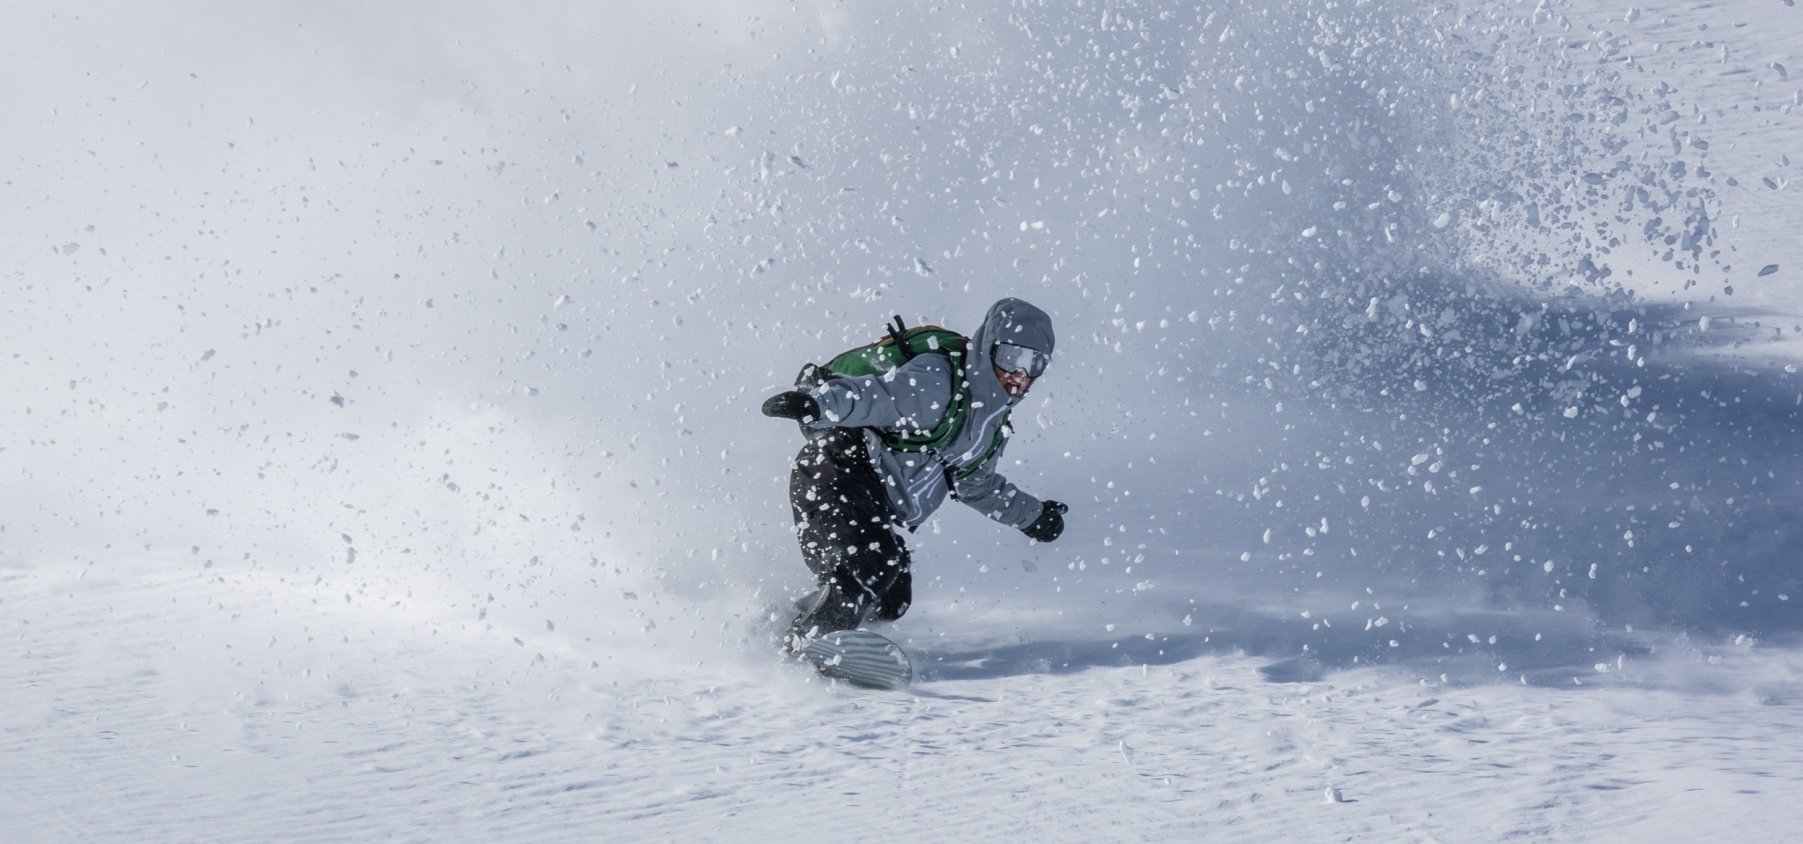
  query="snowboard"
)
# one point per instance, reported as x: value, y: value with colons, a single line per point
x: 860, y: 658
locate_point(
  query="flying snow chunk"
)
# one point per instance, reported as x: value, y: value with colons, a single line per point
x: 1768, y: 269
x: 1444, y: 220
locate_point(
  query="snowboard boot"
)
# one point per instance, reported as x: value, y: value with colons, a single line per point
x: 822, y: 611
x: 809, y: 600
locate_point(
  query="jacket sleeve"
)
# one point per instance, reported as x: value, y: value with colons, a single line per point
x: 987, y: 492
x: 914, y: 395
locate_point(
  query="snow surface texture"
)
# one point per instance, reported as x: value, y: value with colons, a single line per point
x: 384, y: 457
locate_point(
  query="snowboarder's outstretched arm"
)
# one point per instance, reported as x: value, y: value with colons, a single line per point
x: 914, y: 396
x: 987, y: 492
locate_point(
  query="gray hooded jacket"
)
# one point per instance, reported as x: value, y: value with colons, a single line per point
x: 916, y: 396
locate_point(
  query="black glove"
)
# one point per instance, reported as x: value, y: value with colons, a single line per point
x: 793, y: 404
x: 1050, y: 523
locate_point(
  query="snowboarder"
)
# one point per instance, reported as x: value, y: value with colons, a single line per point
x: 884, y: 451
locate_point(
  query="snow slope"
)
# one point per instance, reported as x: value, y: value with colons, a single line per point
x: 242, y: 708
x: 384, y: 458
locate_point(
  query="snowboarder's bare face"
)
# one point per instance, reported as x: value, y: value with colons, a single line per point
x: 1016, y: 383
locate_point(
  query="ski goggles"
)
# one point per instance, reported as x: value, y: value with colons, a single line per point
x: 1011, y: 358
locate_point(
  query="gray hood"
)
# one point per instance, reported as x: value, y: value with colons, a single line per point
x: 1014, y: 321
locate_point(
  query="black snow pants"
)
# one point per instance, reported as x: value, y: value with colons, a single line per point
x: 850, y: 536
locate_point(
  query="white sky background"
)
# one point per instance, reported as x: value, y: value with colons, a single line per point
x: 549, y: 258
x: 226, y: 215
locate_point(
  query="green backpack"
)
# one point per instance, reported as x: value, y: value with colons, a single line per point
x: 899, y: 346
